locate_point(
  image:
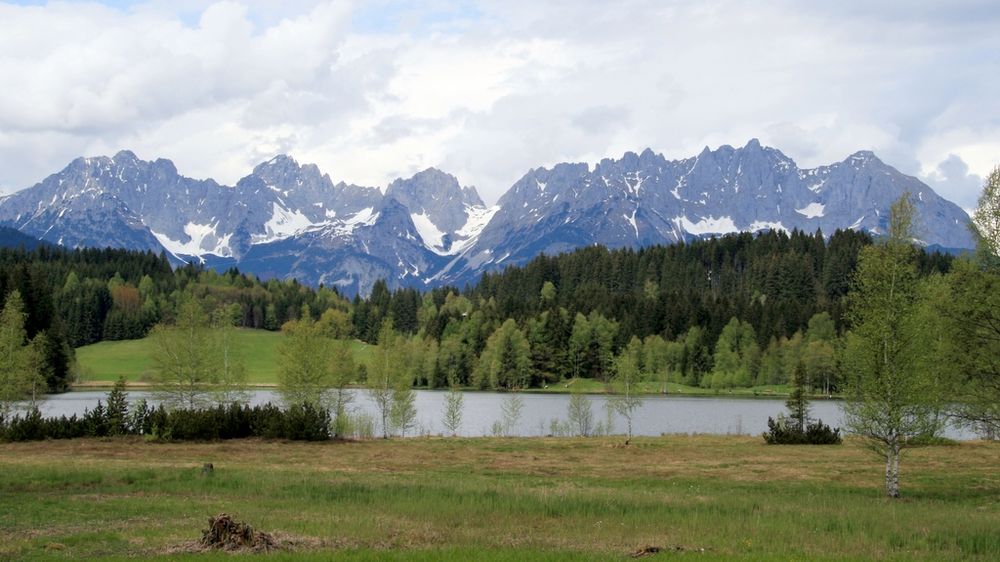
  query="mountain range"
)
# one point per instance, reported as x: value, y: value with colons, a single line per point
x: 287, y: 220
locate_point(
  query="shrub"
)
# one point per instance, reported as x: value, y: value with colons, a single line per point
x: 780, y: 432
x: 234, y: 421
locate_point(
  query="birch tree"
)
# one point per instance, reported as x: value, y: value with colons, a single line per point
x: 970, y: 315
x: 891, y: 397
x: 627, y: 376
x: 383, y: 371
x: 454, y: 404
x: 232, y: 374
x: 182, y: 355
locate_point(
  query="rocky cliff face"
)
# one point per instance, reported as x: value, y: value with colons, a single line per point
x: 644, y: 199
x: 289, y: 220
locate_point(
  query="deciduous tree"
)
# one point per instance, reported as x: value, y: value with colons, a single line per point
x: 627, y: 376
x: 891, y: 398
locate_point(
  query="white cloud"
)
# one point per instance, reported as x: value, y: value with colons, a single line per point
x: 487, y: 90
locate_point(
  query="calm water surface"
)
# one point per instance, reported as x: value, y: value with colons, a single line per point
x: 657, y: 415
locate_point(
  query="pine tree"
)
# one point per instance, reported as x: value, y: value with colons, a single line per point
x: 798, y: 400
x: 117, y: 409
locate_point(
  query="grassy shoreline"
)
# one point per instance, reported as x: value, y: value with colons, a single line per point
x: 501, y: 499
x: 566, y: 387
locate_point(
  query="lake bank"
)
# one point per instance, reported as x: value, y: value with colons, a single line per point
x: 547, y: 413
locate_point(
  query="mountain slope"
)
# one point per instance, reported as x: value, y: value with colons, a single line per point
x: 288, y: 220
x: 644, y: 199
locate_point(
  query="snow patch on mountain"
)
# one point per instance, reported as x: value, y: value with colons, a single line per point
x: 283, y: 223
x: 631, y: 220
x: 766, y: 225
x: 812, y: 210
x: 364, y: 217
x: 710, y: 225
x: 479, y: 217
x: 431, y: 235
x: 202, y: 240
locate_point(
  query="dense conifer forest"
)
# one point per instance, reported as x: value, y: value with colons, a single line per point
x: 737, y: 310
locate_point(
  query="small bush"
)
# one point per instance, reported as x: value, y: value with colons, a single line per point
x: 780, y: 432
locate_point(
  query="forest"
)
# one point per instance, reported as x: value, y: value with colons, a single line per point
x: 739, y: 310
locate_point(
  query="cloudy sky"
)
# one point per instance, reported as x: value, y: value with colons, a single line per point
x: 375, y: 90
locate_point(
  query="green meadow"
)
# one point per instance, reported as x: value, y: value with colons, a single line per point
x: 698, y: 497
x: 105, y: 362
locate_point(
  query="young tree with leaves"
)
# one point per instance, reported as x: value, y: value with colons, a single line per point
x: 304, y: 373
x: 580, y: 414
x: 232, y: 375
x: 626, y: 378
x: 891, y: 396
x: 505, y: 364
x: 344, y: 371
x: 21, y: 366
x: 383, y: 372
x: 183, y: 355
x: 511, y: 407
x: 986, y: 224
x: 970, y: 321
x: 454, y: 404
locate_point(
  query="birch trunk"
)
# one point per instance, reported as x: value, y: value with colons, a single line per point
x: 892, y: 471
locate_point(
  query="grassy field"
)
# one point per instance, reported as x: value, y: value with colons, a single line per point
x: 104, y: 362
x: 698, y: 497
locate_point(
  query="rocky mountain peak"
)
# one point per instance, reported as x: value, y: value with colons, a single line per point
x: 429, y: 187
x: 287, y: 219
x: 440, y: 208
x: 125, y: 158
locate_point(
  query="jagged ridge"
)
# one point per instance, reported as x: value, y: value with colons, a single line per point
x: 286, y: 220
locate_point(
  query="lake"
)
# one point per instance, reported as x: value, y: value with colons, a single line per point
x: 656, y: 416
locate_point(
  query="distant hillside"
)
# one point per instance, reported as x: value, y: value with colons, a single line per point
x: 12, y: 238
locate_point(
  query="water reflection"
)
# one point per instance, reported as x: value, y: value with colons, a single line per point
x: 657, y: 415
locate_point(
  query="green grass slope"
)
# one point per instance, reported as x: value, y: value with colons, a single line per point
x: 104, y: 362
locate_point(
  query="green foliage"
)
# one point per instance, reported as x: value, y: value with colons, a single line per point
x: 967, y: 317
x: 117, y: 411
x: 628, y: 373
x: 388, y: 378
x: 893, y: 396
x: 781, y: 432
x: 737, y: 357
x: 184, y: 358
x: 506, y: 362
x: 454, y: 404
x: 580, y: 414
x: 22, y: 363
x: 312, y: 365
x: 232, y: 421
x: 986, y: 224
x: 591, y: 346
x: 798, y: 401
